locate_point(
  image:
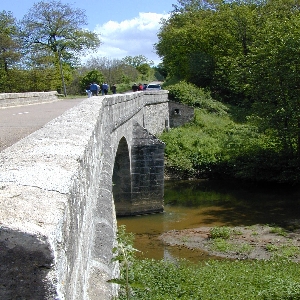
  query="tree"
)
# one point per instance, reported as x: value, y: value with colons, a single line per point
x: 194, y: 5
x: 90, y: 77
x: 160, y: 72
x: 113, y: 70
x: 10, y: 52
x: 182, y: 40
x: 208, y: 45
x: 57, y: 27
x: 274, y: 74
x: 136, y: 61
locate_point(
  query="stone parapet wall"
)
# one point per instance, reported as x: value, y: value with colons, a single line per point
x: 48, y: 203
x: 58, y: 219
x: 129, y: 105
x: 19, y: 99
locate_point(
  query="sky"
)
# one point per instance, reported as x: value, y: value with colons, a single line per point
x: 126, y: 27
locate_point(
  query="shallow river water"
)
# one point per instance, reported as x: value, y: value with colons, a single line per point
x: 192, y: 204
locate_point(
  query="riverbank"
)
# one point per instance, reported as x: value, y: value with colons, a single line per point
x: 250, y: 242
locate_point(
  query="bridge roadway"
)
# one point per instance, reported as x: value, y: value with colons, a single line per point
x: 19, y: 121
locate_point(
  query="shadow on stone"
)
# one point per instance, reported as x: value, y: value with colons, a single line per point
x: 25, y: 267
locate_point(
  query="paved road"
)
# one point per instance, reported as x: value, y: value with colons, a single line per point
x: 18, y: 122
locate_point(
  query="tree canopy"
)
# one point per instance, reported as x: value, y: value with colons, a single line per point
x: 9, y: 49
x: 245, y: 52
x: 57, y: 27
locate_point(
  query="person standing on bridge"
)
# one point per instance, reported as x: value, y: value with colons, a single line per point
x: 88, y: 90
x: 104, y: 88
x: 113, y: 88
x: 94, y: 89
x: 135, y: 87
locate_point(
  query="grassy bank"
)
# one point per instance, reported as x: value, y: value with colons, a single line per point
x: 215, y: 280
x: 274, y: 279
x: 224, y: 142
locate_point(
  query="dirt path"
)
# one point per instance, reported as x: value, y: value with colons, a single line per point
x: 252, y: 242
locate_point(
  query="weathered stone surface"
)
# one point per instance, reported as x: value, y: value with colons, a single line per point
x: 57, y: 212
x: 18, y: 99
x: 179, y: 114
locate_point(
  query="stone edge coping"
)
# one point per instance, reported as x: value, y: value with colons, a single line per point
x: 45, y: 163
x: 49, y: 158
x: 19, y: 99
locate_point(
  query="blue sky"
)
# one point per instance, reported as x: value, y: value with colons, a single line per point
x: 126, y: 27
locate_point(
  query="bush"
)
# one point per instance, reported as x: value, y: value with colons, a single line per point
x: 214, y: 146
x: 220, y: 232
x: 191, y: 95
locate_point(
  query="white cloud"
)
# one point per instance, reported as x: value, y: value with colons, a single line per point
x: 130, y: 37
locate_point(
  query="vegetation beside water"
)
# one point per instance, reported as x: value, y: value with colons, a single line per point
x: 211, y: 280
x: 215, y: 280
x: 244, y: 54
x: 224, y: 142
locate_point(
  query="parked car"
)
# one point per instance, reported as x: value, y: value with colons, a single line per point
x: 152, y: 86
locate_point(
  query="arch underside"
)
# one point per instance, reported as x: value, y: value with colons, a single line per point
x: 138, y: 176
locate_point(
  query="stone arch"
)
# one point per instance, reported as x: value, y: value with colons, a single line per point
x: 121, y: 179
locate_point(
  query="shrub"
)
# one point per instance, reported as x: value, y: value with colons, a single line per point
x: 190, y: 94
x: 214, y: 146
x: 220, y: 232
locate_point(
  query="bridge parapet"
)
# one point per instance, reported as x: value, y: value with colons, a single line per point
x: 57, y: 212
x: 18, y: 99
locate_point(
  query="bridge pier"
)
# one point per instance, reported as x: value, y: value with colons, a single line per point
x: 139, y: 189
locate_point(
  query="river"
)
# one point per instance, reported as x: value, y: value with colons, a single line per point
x: 196, y: 203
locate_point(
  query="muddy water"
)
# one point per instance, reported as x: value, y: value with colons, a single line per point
x: 191, y: 204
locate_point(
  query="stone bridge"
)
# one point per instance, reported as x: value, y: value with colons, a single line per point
x: 62, y: 187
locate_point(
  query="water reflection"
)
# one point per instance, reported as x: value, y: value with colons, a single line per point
x: 191, y: 204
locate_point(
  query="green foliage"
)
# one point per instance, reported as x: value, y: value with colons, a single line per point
x: 137, y: 61
x: 285, y: 251
x: 246, y: 53
x: 215, y: 280
x: 90, y: 77
x: 115, y: 71
x: 9, y: 41
x: 9, y: 52
x: 189, y: 94
x: 124, y: 253
x: 278, y: 230
x: 211, y: 280
x: 221, y: 245
x: 56, y: 28
x: 220, y: 232
x: 213, y: 145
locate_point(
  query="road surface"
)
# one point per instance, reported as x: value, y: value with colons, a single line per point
x: 19, y: 121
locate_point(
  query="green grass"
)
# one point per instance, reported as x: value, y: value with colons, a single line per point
x: 225, y: 142
x: 278, y: 230
x: 149, y: 279
x: 221, y: 245
x: 285, y: 251
x: 216, y: 280
x: 220, y: 232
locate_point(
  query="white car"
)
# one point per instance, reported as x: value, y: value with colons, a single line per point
x: 153, y: 86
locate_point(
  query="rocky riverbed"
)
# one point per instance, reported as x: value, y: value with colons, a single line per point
x: 249, y: 242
